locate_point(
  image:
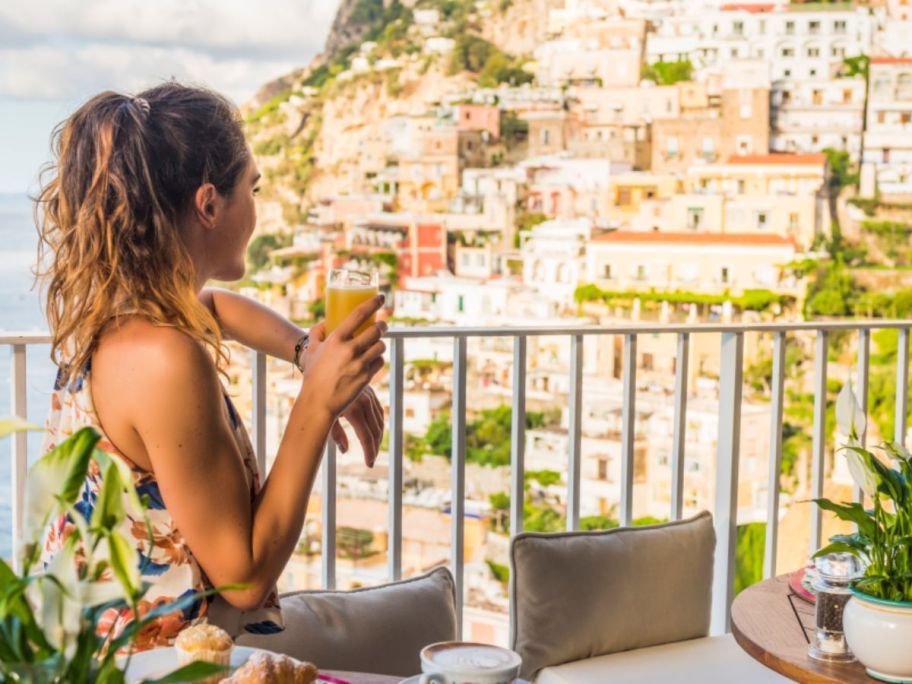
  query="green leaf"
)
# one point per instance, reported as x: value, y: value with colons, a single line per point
x: 68, y: 464
x: 836, y: 547
x: 190, y: 673
x: 109, y: 510
x: 852, y: 512
x: 124, y: 562
x: 11, y: 424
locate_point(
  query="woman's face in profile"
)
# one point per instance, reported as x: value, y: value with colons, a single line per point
x: 236, y: 225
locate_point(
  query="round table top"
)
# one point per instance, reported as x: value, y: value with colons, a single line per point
x: 363, y: 677
x: 765, y: 622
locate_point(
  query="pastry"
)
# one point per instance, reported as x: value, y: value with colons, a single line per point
x: 204, y: 642
x: 273, y: 668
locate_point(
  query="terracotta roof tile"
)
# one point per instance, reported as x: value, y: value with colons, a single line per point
x: 782, y: 158
x: 660, y: 237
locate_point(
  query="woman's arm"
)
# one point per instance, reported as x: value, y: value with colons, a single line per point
x: 252, y: 324
x: 259, y: 327
x: 171, y: 393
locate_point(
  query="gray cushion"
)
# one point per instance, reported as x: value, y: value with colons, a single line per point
x: 376, y: 629
x: 577, y: 595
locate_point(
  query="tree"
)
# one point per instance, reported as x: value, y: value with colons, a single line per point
x: 669, y: 73
x: 261, y: 248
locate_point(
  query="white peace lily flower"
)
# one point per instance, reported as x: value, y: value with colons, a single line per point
x: 58, y: 605
x: 862, y: 475
x: 849, y: 416
x: 44, y: 480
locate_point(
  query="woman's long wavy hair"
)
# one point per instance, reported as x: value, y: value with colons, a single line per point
x: 112, y: 208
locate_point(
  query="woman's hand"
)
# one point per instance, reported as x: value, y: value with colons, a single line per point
x: 366, y: 417
x: 339, y: 367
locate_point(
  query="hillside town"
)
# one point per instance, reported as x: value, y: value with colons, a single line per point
x: 557, y: 163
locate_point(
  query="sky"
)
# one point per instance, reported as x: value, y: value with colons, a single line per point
x: 55, y: 54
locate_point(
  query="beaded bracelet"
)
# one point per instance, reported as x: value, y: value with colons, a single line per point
x: 300, y: 345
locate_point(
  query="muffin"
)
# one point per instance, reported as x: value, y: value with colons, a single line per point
x: 204, y: 642
x: 273, y: 668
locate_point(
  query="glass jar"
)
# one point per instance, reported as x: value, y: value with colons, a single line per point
x: 835, y: 572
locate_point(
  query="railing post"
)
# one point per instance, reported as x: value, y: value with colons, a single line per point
x: 775, y: 456
x: 258, y: 366
x: 517, y: 449
x: 328, y: 546
x: 518, y: 437
x: 18, y: 448
x: 902, y: 387
x: 575, y: 432
x: 457, y: 509
x: 726, y: 514
x: 864, y: 362
x: 818, y: 446
x: 628, y: 430
x: 680, y: 427
x: 396, y: 390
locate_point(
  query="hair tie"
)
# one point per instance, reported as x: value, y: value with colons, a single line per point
x: 142, y: 103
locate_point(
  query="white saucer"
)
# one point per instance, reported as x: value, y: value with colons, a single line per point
x: 158, y: 662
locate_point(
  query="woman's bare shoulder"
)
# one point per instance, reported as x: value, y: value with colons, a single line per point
x: 135, y: 357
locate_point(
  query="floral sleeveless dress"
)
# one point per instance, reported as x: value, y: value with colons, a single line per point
x: 168, y: 564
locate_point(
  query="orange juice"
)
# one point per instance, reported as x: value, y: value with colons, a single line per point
x: 341, y: 300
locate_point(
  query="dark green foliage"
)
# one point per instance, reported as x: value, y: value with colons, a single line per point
x: 749, y: 555
x: 754, y: 300
x: 261, y: 248
x: 669, y: 73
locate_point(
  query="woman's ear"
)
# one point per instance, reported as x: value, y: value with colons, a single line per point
x: 206, y: 205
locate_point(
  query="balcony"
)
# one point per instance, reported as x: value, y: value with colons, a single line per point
x: 728, y: 449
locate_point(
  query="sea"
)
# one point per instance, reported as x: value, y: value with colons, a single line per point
x: 20, y: 311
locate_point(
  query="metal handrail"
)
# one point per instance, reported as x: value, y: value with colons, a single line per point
x: 728, y: 446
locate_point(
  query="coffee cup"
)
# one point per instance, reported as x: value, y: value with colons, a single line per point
x: 459, y: 662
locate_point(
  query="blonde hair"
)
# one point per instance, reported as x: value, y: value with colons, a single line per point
x: 111, y: 209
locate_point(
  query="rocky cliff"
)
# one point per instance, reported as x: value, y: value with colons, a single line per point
x: 312, y: 128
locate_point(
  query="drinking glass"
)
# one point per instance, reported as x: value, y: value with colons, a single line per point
x: 346, y: 289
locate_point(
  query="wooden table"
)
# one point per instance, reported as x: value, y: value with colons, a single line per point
x: 364, y: 678
x: 765, y: 625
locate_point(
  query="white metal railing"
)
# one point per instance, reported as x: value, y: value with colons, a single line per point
x: 730, y: 387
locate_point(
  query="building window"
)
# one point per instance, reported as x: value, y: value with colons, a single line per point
x: 641, y: 272
x: 603, y: 469
x: 812, y: 73
x: 904, y: 87
x: 409, y: 413
x: 881, y: 117
x: 814, y: 28
x: 623, y: 197
x: 905, y: 117
x: 648, y: 362
x: 671, y: 146
x: 738, y: 28
x: 733, y: 52
x: 745, y: 145
x: 745, y: 100
x: 787, y: 51
x: 762, y: 220
x: 695, y: 218
x: 460, y: 304
x: 741, y: 186
x: 846, y: 95
x: 794, y: 219
x: 790, y: 28
x: 723, y: 275
x: 837, y: 51
x: 546, y: 137
x: 813, y: 51
x: 839, y: 26
x: 786, y: 73
x: 606, y: 271
x: 817, y: 96
x: 709, y: 148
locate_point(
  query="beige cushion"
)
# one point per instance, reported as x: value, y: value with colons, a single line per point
x: 582, y: 594
x: 712, y: 660
x: 377, y: 629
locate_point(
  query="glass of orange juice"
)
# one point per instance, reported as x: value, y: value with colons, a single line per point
x: 346, y: 289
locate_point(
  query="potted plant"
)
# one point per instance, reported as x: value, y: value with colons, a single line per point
x: 49, y: 616
x: 878, y: 617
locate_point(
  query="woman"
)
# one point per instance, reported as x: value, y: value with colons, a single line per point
x: 151, y: 197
